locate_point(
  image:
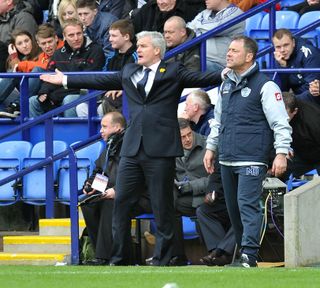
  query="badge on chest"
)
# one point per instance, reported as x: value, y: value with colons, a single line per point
x: 100, y: 182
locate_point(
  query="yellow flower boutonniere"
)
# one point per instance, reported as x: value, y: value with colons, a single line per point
x: 162, y: 70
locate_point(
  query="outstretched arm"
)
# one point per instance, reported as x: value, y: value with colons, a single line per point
x: 53, y: 78
x: 97, y: 82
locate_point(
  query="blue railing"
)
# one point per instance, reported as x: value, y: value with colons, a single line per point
x: 48, y: 163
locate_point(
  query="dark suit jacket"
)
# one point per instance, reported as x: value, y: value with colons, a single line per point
x: 152, y: 120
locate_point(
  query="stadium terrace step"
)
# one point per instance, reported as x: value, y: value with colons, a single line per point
x: 59, y: 227
x: 32, y: 259
x: 37, y: 244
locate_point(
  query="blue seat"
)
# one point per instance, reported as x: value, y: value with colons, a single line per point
x: 289, y: 3
x: 189, y: 228
x: 293, y: 183
x: 253, y: 22
x: 34, y: 183
x: 11, y: 155
x: 311, y: 173
x: 85, y: 165
x: 306, y: 19
x: 284, y: 19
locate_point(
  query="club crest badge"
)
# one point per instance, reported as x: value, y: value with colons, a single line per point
x: 226, y: 88
x: 245, y: 92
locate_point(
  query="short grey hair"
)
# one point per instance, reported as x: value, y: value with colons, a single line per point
x: 157, y: 40
x: 201, y: 98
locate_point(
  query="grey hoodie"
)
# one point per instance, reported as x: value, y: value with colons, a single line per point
x: 21, y: 16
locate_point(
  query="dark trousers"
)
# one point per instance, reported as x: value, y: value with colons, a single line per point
x: 215, y: 228
x: 133, y: 173
x: 98, y: 217
x: 183, y: 206
x: 243, y: 188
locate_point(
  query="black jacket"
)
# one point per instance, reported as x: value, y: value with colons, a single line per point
x: 116, y: 60
x: 89, y: 57
x: 113, y: 160
x: 150, y: 18
x: 153, y: 120
x: 306, y: 132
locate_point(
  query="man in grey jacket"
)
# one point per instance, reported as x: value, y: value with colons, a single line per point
x: 191, y: 183
x: 16, y: 14
x: 176, y: 33
x: 218, y: 12
x: 250, y: 120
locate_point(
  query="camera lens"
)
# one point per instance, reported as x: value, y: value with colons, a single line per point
x: 88, y: 188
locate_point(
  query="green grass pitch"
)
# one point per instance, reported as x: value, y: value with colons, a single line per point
x: 155, y: 277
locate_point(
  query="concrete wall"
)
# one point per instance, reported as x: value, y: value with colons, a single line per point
x: 302, y: 225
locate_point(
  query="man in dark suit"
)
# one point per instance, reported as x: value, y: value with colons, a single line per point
x: 151, y: 141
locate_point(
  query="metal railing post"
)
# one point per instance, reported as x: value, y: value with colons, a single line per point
x: 203, y: 53
x: 74, y: 215
x: 24, y: 105
x: 49, y: 169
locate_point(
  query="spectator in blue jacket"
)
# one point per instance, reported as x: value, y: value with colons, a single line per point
x: 96, y: 23
x: 199, y: 111
x: 295, y: 52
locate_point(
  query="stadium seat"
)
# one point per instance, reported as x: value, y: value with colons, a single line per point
x: 34, y: 183
x: 293, y: 183
x: 289, y: 3
x: 85, y: 165
x: 305, y: 20
x: 11, y: 155
x: 253, y: 22
x: 189, y: 228
x: 284, y: 19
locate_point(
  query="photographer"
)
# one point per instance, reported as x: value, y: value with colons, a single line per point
x: 98, y: 212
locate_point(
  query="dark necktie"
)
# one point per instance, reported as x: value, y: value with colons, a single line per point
x: 142, y: 83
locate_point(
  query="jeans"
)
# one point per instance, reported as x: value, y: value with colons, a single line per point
x: 35, y: 108
x: 7, y: 86
x: 213, y: 66
x: 82, y: 110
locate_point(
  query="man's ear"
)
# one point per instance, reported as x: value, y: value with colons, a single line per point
x: 126, y: 36
x: 249, y: 57
x: 157, y: 50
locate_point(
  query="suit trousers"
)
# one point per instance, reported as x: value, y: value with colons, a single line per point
x: 133, y: 173
x: 215, y: 228
x: 243, y: 189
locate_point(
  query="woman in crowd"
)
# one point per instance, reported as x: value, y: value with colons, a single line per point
x: 22, y: 50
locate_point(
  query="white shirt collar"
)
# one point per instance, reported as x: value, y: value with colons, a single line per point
x: 153, y: 67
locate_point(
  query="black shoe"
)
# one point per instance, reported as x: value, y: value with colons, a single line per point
x: 211, y: 260
x: 12, y: 111
x: 96, y: 262
x: 178, y: 261
x: 245, y: 261
x: 207, y: 260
